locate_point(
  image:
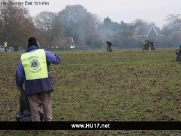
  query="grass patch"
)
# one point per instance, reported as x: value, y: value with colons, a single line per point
x: 126, y: 85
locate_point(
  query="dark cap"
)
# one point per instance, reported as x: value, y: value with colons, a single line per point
x: 32, y: 41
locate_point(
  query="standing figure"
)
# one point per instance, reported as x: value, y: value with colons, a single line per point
x: 146, y: 45
x: 109, y: 46
x: 5, y: 46
x: 33, y: 69
x: 152, y: 46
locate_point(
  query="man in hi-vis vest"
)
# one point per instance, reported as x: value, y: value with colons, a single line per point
x: 5, y: 46
x: 33, y: 69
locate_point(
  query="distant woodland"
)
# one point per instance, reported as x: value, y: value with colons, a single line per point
x: 86, y: 29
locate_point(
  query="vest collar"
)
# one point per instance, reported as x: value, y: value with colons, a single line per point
x: 31, y: 48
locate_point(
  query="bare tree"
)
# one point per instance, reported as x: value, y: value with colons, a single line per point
x: 45, y: 21
x: 16, y: 25
x: 139, y: 22
x: 79, y: 24
x: 172, y: 19
x: 47, y: 25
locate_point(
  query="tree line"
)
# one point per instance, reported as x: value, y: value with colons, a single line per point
x: 87, y: 29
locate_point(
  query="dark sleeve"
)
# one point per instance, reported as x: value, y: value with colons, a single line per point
x: 20, y: 75
x: 52, y: 58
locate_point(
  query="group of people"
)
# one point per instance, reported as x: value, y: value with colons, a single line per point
x: 33, y: 72
x: 147, y: 44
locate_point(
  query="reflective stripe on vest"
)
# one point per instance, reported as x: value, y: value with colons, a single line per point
x: 35, y: 64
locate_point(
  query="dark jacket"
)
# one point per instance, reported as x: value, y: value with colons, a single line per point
x: 37, y: 85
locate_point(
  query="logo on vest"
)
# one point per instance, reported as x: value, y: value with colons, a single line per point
x: 34, y: 64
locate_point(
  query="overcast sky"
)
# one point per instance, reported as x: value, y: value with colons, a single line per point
x: 117, y: 10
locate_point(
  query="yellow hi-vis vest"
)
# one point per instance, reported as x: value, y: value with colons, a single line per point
x: 35, y: 64
x: 5, y: 44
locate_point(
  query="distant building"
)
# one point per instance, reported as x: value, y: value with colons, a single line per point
x: 69, y: 42
x: 148, y: 32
